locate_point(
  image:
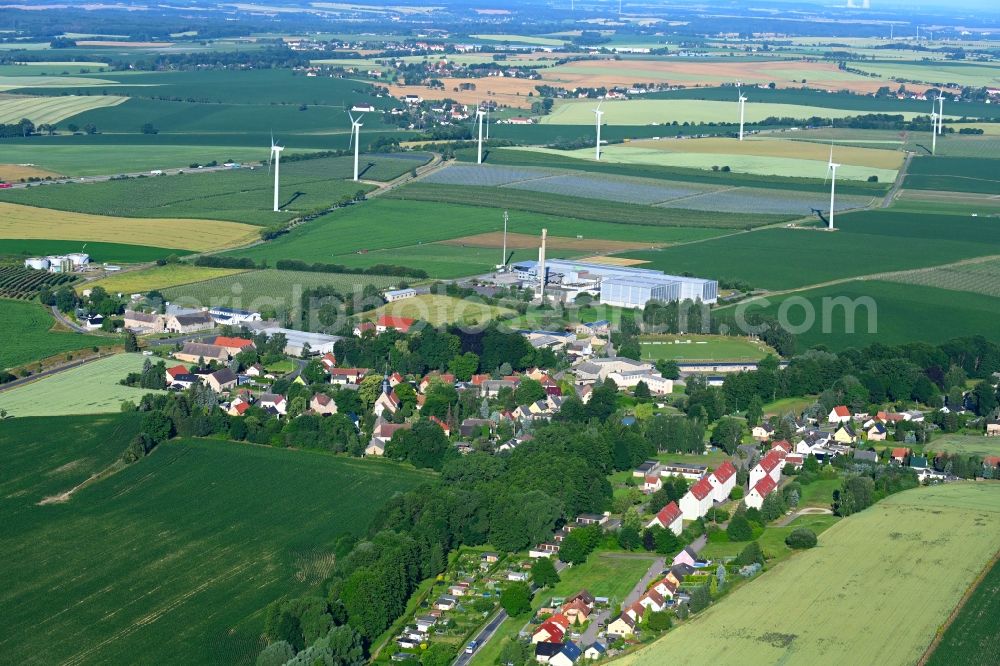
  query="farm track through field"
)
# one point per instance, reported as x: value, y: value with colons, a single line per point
x: 890, y: 196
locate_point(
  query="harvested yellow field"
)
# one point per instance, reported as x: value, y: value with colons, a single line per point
x: 52, y: 109
x: 12, y: 173
x: 505, y: 92
x: 157, y: 277
x: 530, y: 242
x: 767, y: 147
x: 23, y: 222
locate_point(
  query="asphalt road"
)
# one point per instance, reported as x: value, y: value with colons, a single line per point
x: 134, y: 174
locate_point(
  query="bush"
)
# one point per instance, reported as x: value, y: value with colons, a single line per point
x: 739, y: 529
x: 801, y: 538
x: 750, y: 554
x: 736, y: 493
x: 658, y: 621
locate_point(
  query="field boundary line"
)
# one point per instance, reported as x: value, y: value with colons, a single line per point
x: 659, y: 204
x: 939, y: 636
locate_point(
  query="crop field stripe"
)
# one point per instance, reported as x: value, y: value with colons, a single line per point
x: 28, y: 336
x: 974, y: 621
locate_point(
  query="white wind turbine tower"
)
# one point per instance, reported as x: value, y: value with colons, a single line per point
x: 276, y: 157
x: 356, y: 140
x: 940, y: 118
x: 479, y: 119
x: 832, y: 172
x: 597, y: 122
x: 743, y: 101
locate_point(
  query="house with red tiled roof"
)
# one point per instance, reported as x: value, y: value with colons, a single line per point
x: 764, y: 487
x: 344, y: 376
x: 697, y: 500
x: 175, y: 372
x: 653, y: 601
x: 651, y: 483
x: 723, y: 480
x: 668, y: 586
x: 576, y: 610
x: 401, y: 324
x: 328, y: 361
x: 669, y: 518
x: 388, y: 401
x: 899, y: 454
x: 444, y: 426
x: 769, y: 465
x: 444, y: 378
x: 395, y: 379
x: 363, y: 327
x: 839, y: 414
x: 323, y: 404
x: 782, y: 444
x: 233, y: 345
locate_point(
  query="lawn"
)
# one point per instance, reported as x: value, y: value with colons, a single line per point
x: 819, y: 493
x: 29, y: 338
x: 438, y: 310
x: 204, y: 534
x: 886, y: 312
x: 702, y: 348
x: 157, y: 277
x: 870, y: 570
x: 971, y: 637
x: 29, y: 222
x: 772, y: 540
x: 92, y: 388
x: 788, y: 406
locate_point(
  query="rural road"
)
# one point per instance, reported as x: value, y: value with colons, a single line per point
x: 66, y: 321
x: 900, y: 175
x: 136, y: 174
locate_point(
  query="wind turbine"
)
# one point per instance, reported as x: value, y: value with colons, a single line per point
x: 487, y: 122
x: 479, y: 119
x: 276, y: 157
x: 597, y: 122
x: 355, y: 139
x: 940, y: 118
x: 832, y: 172
x: 743, y: 101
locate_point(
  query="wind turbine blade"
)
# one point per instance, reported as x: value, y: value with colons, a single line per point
x: 349, y: 115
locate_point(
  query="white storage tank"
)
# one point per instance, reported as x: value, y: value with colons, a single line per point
x: 79, y: 259
x: 37, y: 263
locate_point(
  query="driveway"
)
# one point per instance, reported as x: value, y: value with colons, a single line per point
x: 598, y: 619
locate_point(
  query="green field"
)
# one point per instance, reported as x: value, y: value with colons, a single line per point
x: 157, y: 277
x: 954, y: 174
x: 787, y: 167
x: 437, y: 310
x: 99, y: 252
x: 977, y: 278
x: 240, y: 195
x: 268, y: 288
x: 971, y: 637
x: 176, y: 557
x: 860, y: 246
x: 936, y: 73
x: 29, y: 338
x: 970, y: 445
x: 403, y: 232
x: 666, y: 111
x: 92, y: 388
x: 584, y: 208
x: 902, y: 313
x: 702, y: 348
x: 882, y: 560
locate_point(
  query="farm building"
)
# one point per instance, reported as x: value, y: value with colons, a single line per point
x: 621, y: 285
x: 233, y: 316
x: 296, y: 341
x: 399, y: 294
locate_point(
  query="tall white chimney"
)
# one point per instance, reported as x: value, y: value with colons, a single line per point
x: 541, y: 266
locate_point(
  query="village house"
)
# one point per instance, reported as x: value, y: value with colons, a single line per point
x: 697, y: 500
x: 839, y: 414
x: 220, y: 380
x: 347, y: 376
x: 238, y: 406
x: 401, y: 324
x: 722, y: 480
x: 273, y: 401
x: 764, y: 487
x: 876, y: 433
x: 198, y: 352
x: 993, y: 428
x: 545, y: 651
x: 782, y: 445
x: 669, y: 518
x: 387, y: 401
x: 142, y: 322
x: 595, y: 651
x: 363, y: 327
x: 899, y: 455
x: 769, y: 465
x: 189, y: 322
x: 567, y: 656
x: 866, y: 456
x: 653, y: 601
x: 381, y: 435
x: 233, y: 345
x: 762, y: 432
x: 328, y: 361
x: 651, y: 483
x: 323, y: 404
x: 845, y: 434
x: 687, y: 556
x: 551, y: 630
